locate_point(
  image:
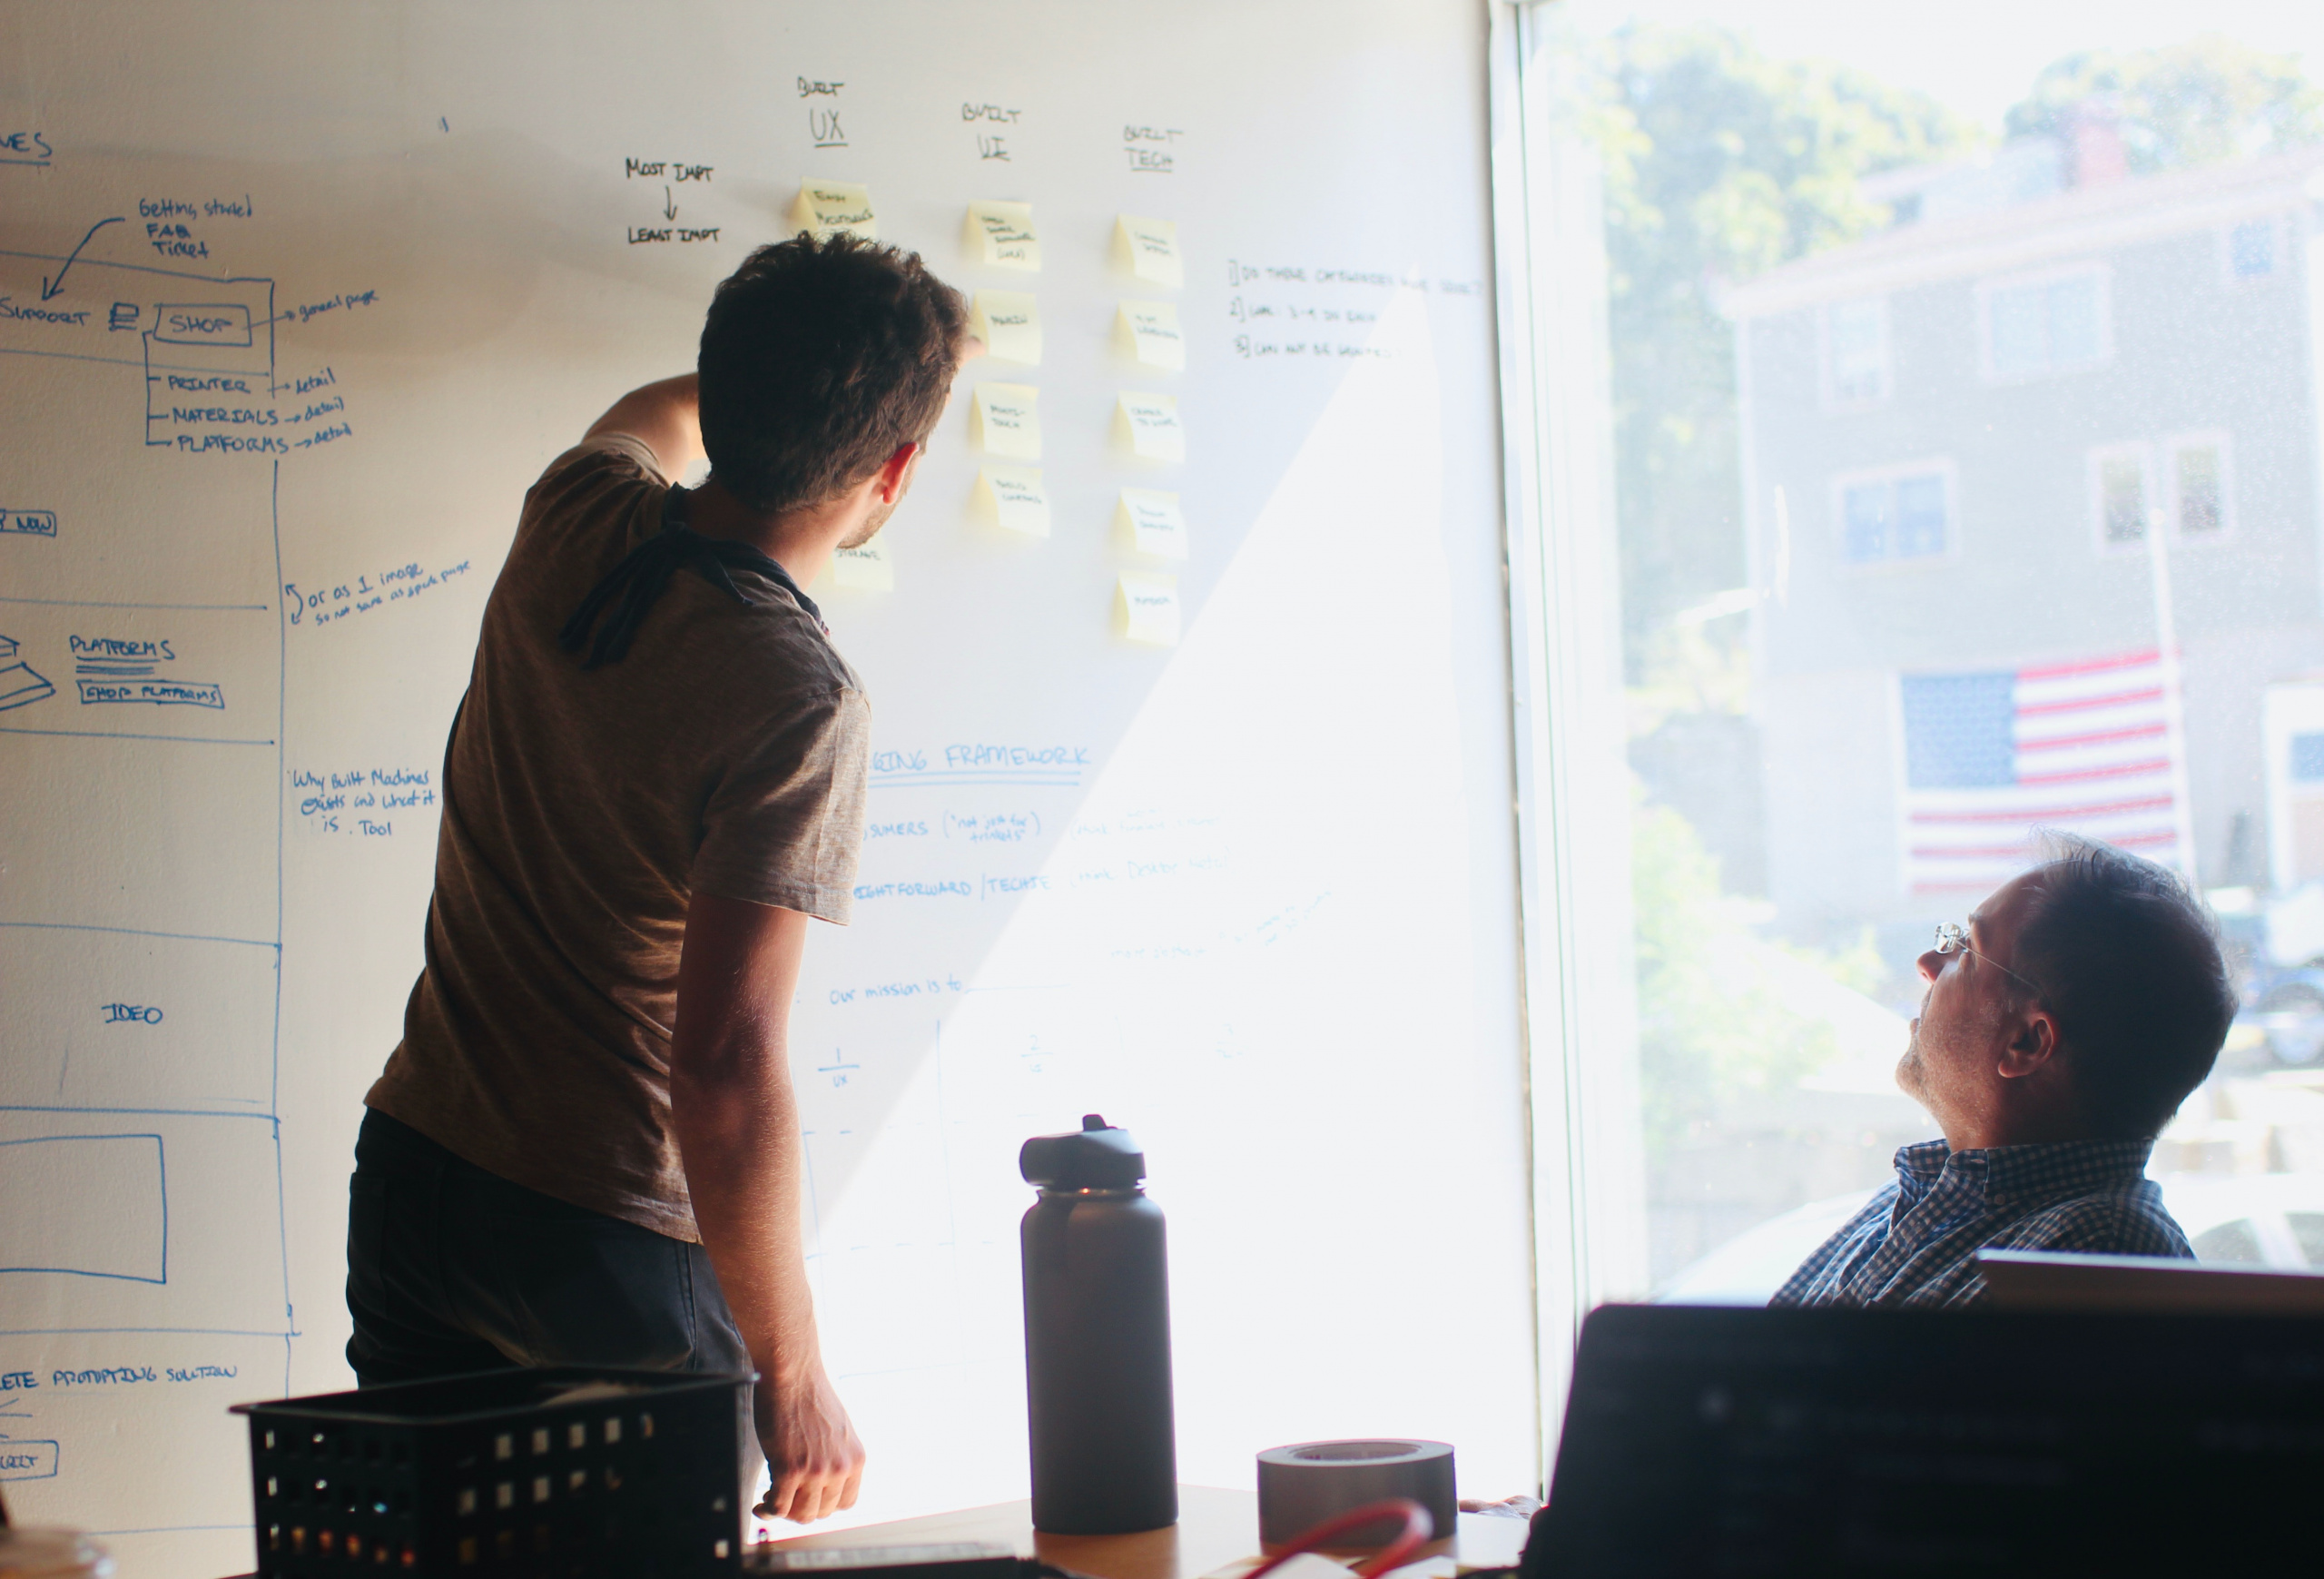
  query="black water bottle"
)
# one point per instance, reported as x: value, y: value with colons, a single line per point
x: 1096, y: 1337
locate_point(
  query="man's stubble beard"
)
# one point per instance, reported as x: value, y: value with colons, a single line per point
x: 870, y: 528
x: 1912, y: 1069
x: 1909, y: 1070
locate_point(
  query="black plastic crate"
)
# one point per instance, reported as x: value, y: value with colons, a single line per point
x: 567, y: 1473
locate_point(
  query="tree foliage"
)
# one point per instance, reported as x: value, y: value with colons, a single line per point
x: 1710, y: 1034
x: 2203, y: 101
x: 1720, y: 163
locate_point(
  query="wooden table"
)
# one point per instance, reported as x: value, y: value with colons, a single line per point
x: 1214, y: 1527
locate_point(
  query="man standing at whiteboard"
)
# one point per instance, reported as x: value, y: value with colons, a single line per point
x: 586, y: 1149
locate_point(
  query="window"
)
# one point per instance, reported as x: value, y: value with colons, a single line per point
x: 2199, y: 490
x: 2119, y: 482
x: 1898, y: 515
x: 2307, y: 757
x: 1887, y: 601
x: 2233, y: 1244
x: 2041, y: 327
x: 2194, y: 501
x: 1856, y: 353
x: 2251, y: 249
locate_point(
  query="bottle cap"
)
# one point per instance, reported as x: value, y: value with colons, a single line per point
x: 1095, y: 1157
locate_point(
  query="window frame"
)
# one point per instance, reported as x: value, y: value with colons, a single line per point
x: 2095, y: 269
x: 1584, y: 1135
x: 1827, y: 383
x: 2168, y: 467
x: 1943, y: 466
x: 2157, y: 462
x: 2280, y: 241
x: 2094, y: 461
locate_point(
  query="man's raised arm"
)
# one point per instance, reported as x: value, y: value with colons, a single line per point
x: 737, y: 1124
x: 667, y: 415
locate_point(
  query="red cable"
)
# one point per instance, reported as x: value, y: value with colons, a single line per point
x: 1418, y: 1530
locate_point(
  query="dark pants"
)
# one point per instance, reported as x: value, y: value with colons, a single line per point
x: 451, y: 1269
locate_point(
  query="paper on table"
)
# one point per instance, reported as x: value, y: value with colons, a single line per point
x: 1305, y: 1566
x: 999, y: 235
x: 1316, y: 1565
x: 1005, y: 421
x: 1148, y: 332
x: 828, y: 207
x: 1150, y: 249
x: 1148, y: 424
x: 1154, y: 522
x: 867, y: 569
x: 1012, y: 497
x: 1009, y: 324
x: 1148, y: 606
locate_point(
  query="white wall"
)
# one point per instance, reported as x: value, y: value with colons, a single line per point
x: 1275, y: 933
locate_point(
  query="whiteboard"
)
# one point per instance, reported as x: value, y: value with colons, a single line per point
x: 295, y: 301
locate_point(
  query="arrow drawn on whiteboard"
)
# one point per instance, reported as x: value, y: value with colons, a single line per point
x: 669, y: 205
x: 49, y: 287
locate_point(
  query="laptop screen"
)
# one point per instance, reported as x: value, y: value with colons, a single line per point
x: 1702, y: 1440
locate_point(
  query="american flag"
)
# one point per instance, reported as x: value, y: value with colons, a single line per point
x: 1991, y: 755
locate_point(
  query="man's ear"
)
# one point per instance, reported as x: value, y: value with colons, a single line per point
x: 896, y: 472
x: 2032, y: 1044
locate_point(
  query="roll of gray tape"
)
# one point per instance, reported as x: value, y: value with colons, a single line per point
x: 1306, y: 1482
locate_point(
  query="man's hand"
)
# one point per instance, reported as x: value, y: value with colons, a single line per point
x: 737, y: 1125
x: 813, y: 1453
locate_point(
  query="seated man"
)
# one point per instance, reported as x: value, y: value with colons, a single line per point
x: 2057, y: 1035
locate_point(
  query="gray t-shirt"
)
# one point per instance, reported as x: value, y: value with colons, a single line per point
x: 582, y: 809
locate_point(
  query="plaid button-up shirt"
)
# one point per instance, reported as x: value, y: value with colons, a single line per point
x: 1915, y: 1243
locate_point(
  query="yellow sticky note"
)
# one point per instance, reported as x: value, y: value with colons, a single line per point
x: 867, y: 569
x: 1148, y: 607
x: 1154, y: 522
x: 1149, y: 250
x: 827, y: 207
x: 1148, y: 332
x: 999, y: 235
x: 1148, y: 424
x: 1012, y: 497
x: 1005, y: 421
x: 1009, y: 324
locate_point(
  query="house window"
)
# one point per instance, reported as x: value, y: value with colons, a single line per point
x: 1905, y: 515
x: 2119, y: 479
x: 2198, y: 502
x: 1856, y: 352
x: 2307, y: 757
x: 2251, y: 250
x: 2194, y: 497
x: 2054, y: 324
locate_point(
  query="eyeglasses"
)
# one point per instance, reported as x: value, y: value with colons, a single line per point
x: 1952, y: 938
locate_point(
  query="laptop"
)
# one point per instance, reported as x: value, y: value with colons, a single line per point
x: 1705, y: 1440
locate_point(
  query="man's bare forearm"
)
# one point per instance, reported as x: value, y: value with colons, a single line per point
x: 737, y: 1120
x: 737, y: 1125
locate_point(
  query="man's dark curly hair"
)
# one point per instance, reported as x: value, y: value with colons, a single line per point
x: 820, y: 359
